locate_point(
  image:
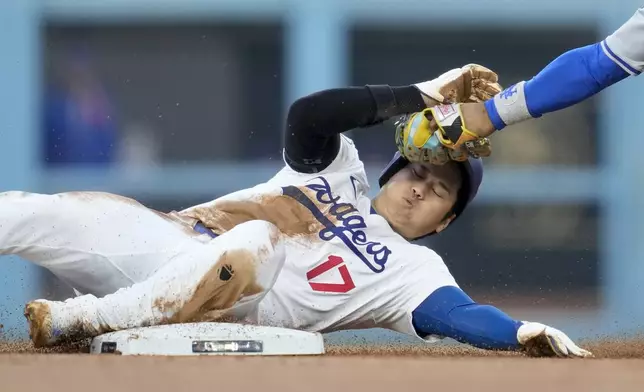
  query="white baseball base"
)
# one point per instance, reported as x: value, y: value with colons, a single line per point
x: 208, y: 339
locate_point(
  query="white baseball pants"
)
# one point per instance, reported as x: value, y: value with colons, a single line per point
x: 136, y: 266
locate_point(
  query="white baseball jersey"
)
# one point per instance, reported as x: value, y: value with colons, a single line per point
x: 332, y: 265
x: 626, y: 45
x: 357, y: 272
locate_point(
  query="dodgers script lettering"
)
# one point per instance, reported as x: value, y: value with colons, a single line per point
x: 351, y: 224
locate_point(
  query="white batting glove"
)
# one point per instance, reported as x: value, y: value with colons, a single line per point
x: 470, y: 83
x: 539, y: 340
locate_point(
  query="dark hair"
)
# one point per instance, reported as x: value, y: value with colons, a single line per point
x: 463, y: 192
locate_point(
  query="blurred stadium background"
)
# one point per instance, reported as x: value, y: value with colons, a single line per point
x: 177, y: 102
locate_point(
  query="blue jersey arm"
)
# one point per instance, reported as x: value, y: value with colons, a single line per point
x: 449, y: 312
x: 569, y: 79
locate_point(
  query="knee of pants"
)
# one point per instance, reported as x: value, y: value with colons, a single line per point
x: 258, y: 235
x: 263, y: 243
x: 20, y: 197
x: 29, y: 205
x: 28, y: 217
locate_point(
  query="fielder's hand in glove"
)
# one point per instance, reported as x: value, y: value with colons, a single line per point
x: 438, y: 135
x: 418, y: 143
x: 539, y: 340
x: 470, y: 83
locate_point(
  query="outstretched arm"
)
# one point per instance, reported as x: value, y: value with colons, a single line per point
x: 449, y: 312
x: 569, y: 79
x: 315, y: 122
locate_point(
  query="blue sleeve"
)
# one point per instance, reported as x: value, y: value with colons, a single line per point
x: 569, y: 79
x: 449, y: 312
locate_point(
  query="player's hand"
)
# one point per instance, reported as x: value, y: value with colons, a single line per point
x: 417, y: 142
x: 539, y: 340
x: 470, y: 83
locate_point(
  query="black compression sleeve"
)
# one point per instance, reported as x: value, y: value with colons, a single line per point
x: 315, y: 122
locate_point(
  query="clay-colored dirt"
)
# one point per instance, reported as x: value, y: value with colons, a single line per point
x: 618, y: 366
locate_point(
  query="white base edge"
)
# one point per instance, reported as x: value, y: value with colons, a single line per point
x: 186, y: 339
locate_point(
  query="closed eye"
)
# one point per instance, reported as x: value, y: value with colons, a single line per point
x: 441, y: 189
x: 416, y: 174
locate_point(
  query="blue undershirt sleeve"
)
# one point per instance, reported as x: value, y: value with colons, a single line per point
x: 449, y: 312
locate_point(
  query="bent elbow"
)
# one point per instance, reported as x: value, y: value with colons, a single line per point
x: 301, y: 109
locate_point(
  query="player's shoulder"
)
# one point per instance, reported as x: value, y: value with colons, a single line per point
x: 349, y: 142
x: 346, y: 164
x: 347, y: 159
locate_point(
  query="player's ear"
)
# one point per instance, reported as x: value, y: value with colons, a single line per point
x: 443, y: 225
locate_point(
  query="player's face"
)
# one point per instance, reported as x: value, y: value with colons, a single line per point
x: 418, y: 199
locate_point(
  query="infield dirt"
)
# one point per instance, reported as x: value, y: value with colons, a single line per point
x: 618, y: 366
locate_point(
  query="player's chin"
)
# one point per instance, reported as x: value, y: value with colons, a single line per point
x: 401, y: 225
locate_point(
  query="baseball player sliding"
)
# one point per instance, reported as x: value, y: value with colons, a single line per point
x: 306, y: 250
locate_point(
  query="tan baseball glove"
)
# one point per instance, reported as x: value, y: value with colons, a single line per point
x: 470, y: 83
x: 438, y: 134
